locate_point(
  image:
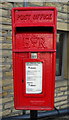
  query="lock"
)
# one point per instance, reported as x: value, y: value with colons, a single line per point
x: 34, y: 55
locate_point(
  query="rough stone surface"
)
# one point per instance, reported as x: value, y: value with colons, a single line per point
x: 6, y: 40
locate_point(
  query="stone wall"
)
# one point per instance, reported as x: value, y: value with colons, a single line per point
x: 7, y: 81
x: 6, y: 39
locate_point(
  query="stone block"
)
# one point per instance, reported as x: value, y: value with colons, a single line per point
x: 4, y: 94
x: 9, y: 87
x: 63, y: 16
x: 35, y: 3
x: 7, y: 53
x: 60, y: 94
x: 1, y: 39
x: 6, y: 67
x: 18, y: 4
x: 8, y: 99
x: 6, y: 112
x: 63, y: 88
x: 6, y: 27
x: 7, y: 82
x: 4, y: 13
x: 61, y: 103
x: 8, y: 105
x: 5, y: 20
x: 6, y: 46
x: 11, y: 93
x: 60, y: 98
x: 9, y: 38
x: 8, y: 74
x: 4, y: 33
x: 57, y: 90
x: 6, y: 60
x: 17, y: 112
x: 59, y: 20
x: 64, y: 106
x: 7, y: 5
x: 54, y: 4
x: 65, y: 8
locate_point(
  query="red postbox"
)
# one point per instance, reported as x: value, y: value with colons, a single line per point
x: 34, y: 56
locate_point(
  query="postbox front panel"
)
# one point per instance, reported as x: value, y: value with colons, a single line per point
x: 31, y: 17
x: 34, y: 41
x: 38, y: 97
x: 34, y: 56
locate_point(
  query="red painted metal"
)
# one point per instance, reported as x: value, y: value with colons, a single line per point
x: 34, y: 31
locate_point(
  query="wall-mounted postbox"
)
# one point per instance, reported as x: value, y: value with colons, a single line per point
x: 34, y: 56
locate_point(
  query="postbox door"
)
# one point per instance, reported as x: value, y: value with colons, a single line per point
x: 25, y: 99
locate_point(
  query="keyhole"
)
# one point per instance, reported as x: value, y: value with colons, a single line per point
x: 22, y: 81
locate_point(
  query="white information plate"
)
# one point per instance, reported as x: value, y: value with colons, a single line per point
x: 33, y: 77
